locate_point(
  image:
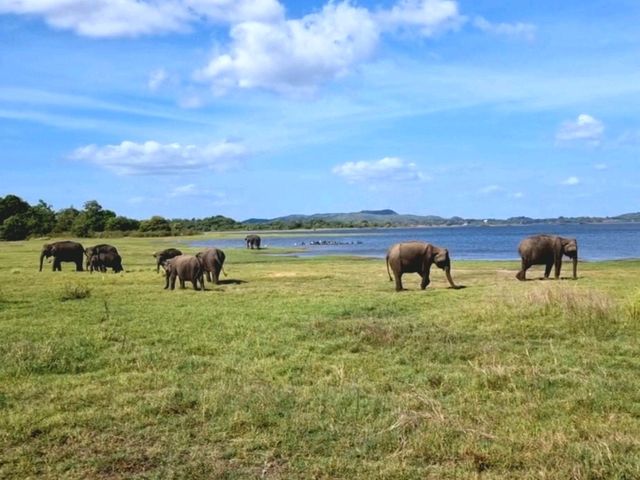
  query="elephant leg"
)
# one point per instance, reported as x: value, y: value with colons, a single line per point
x: 182, y: 285
x: 547, y: 270
x: 216, y: 275
x: 166, y: 280
x: 57, y: 267
x: 558, y: 268
x: 522, y: 274
x: 425, y: 281
x: 208, y: 276
x: 398, y: 278
x: 194, y: 282
x: 173, y: 280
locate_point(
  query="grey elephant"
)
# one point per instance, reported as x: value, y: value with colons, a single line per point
x: 102, y: 261
x: 185, y: 268
x: 64, y: 251
x: 102, y: 248
x: 547, y: 250
x: 253, y: 241
x: 212, y: 260
x: 164, y: 255
x: 417, y: 257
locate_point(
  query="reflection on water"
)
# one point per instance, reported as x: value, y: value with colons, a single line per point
x: 596, y: 242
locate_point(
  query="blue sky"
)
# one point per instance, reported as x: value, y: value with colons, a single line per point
x: 261, y: 108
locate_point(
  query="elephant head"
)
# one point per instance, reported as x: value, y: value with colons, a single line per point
x: 47, y: 251
x: 440, y: 256
x: 569, y: 247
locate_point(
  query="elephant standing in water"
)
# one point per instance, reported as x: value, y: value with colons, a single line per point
x: 253, y: 240
x: 547, y: 250
x: 99, y: 257
x: 165, y: 255
x: 65, y: 251
x: 212, y: 260
x: 417, y: 257
x: 184, y: 267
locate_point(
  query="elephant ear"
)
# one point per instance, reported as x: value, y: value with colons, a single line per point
x: 429, y: 254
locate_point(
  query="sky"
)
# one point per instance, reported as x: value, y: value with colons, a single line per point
x: 263, y: 108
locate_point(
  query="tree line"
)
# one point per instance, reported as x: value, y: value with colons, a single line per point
x: 20, y: 220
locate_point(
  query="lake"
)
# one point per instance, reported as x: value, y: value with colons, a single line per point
x: 596, y: 242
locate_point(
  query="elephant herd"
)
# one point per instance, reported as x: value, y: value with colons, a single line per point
x: 408, y: 257
x: 417, y: 257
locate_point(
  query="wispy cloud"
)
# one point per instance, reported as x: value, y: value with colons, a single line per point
x: 584, y: 129
x: 489, y: 189
x: 526, y: 31
x: 390, y: 169
x: 571, y: 181
x: 153, y: 158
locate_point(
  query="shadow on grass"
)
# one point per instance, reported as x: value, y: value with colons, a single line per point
x: 231, y: 282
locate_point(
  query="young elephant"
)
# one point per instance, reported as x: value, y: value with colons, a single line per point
x: 184, y: 267
x: 212, y: 260
x: 547, y: 250
x: 165, y: 255
x: 102, y: 261
x: 417, y: 257
x: 99, y: 249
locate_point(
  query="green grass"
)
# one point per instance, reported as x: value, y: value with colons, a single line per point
x: 316, y: 368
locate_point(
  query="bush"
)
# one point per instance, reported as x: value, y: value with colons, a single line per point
x: 75, y: 292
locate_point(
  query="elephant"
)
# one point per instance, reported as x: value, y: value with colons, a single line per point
x: 184, y: 267
x: 547, y: 250
x: 101, y: 261
x: 97, y: 250
x: 253, y: 240
x: 417, y: 257
x: 212, y: 260
x: 64, y: 251
x: 164, y: 255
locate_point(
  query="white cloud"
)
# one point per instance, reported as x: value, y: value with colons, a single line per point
x: 295, y: 55
x: 571, y: 181
x: 428, y: 16
x: 131, y: 18
x: 585, y: 128
x: 522, y: 30
x: 153, y: 158
x: 600, y: 166
x: 105, y: 18
x: 388, y: 169
x: 518, y: 195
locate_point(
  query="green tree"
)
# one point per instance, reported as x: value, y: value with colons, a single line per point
x: 122, y: 224
x: 96, y: 216
x: 65, y: 219
x: 155, y: 224
x: 11, y: 205
x: 41, y: 219
x: 80, y: 226
x: 14, y: 228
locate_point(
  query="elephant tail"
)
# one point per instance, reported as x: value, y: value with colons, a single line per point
x: 225, y: 273
x: 388, y: 272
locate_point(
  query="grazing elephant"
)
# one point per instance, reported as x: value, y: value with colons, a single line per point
x: 165, y: 255
x: 547, y: 250
x: 212, y: 260
x: 184, y: 267
x: 417, y: 257
x: 65, y: 251
x: 102, y: 261
x: 97, y: 250
x: 253, y: 240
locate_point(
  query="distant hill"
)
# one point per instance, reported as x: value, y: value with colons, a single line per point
x: 390, y: 218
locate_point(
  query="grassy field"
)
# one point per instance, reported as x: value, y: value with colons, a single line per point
x: 316, y: 368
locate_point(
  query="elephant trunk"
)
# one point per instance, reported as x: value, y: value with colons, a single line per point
x: 447, y: 272
x: 575, y: 267
x: 42, y: 255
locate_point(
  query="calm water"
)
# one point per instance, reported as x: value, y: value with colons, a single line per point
x: 596, y: 242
